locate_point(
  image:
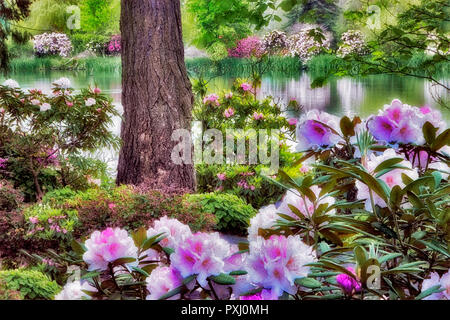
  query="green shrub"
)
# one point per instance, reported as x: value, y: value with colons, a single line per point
x: 30, y: 284
x: 232, y: 212
x: 58, y: 196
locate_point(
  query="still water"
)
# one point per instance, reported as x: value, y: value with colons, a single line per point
x: 343, y: 96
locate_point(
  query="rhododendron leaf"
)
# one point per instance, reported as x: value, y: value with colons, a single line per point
x: 396, y: 196
x: 442, y: 140
x: 238, y: 273
x: 330, y: 235
x: 389, y: 256
x: 171, y: 293
x: 360, y: 255
x: 385, y: 229
x: 150, y: 267
x: 303, y: 158
x: 147, y: 244
x: 429, y: 132
x: 189, y: 279
x: 347, y: 127
x: 434, y: 289
x: 251, y: 292
x: 387, y: 164
x: 122, y: 261
x: 297, y: 212
x: 91, y: 274
x: 168, y: 250
x: 434, y: 245
x: 78, y: 247
x: 308, y: 283
x: 243, y: 246
x: 415, y: 201
x: 286, y: 217
x: 334, y: 296
x: 224, y: 279
x: 141, y: 271
x: 139, y: 236
x: 406, y: 179
x: 437, y: 178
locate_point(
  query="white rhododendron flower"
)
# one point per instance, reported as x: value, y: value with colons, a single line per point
x: 63, y: 83
x: 45, y: 107
x: 174, y: 231
x: 90, y: 102
x: 10, y: 83
x: 107, y: 246
x: 161, y: 281
x: 391, y: 178
x: 275, y: 263
x: 74, y: 291
x: 264, y: 219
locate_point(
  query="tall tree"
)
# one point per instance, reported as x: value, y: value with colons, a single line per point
x: 11, y: 11
x: 157, y: 96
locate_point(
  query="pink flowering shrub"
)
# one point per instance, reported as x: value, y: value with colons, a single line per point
x: 113, y: 47
x: 247, y: 48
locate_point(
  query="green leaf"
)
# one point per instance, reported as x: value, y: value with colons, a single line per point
x: 139, y: 237
x: 122, y: 261
x: 434, y: 289
x: 436, y: 247
x: 171, y: 293
x: 360, y: 255
x: 387, y: 163
x: 238, y: 273
x: 429, y: 132
x: 91, y: 274
x: 310, y: 283
x: 347, y: 127
x: 223, y: 279
x: 78, y: 247
x: 442, y: 140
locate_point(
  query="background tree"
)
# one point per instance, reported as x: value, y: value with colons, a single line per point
x: 157, y: 97
x: 11, y: 11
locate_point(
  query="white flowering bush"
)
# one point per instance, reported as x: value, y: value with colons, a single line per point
x: 52, y: 44
x: 274, y: 42
x: 308, y: 43
x: 352, y: 42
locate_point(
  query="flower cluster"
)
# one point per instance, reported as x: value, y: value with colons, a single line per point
x: 308, y: 43
x: 352, y: 43
x: 317, y: 129
x: 212, y: 100
x: 401, y: 123
x: 435, y: 280
x: 114, y: 45
x: 247, y: 48
x: 52, y: 44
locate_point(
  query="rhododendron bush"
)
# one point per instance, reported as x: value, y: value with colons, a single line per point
x: 368, y: 219
x: 40, y: 131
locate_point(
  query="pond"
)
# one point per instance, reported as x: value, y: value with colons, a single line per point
x: 343, y: 96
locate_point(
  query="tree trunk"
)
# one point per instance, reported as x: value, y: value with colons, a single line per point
x: 157, y: 96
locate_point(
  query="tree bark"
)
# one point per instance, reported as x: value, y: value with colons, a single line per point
x: 157, y: 96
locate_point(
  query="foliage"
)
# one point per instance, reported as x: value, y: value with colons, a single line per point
x: 232, y: 212
x: 30, y: 284
x: 419, y: 28
x: 96, y: 14
x: 62, y: 125
x: 219, y: 22
x: 10, y: 198
x: 275, y: 42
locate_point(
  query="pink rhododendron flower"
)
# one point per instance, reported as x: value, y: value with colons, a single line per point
x: 292, y: 121
x: 212, y: 100
x: 265, y: 218
x: 74, y: 291
x: 45, y: 107
x: 35, y: 102
x: 228, y: 113
x: 314, y: 131
x: 434, y: 280
x: 246, y: 87
x: 275, y: 263
x: 402, y: 123
x: 347, y: 283
x: 229, y: 95
x: 202, y: 254
x: 107, y: 246
x: 222, y: 176
x: 3, y: 162
x: 303, y: 204
x: 258, y: 116
x: 97, y: 91
x: 112, y: 206
x: 161, y: 281
x: 391, y: 178
x: 34, y: 220
x: 174, y: 231
x: 69, y: 104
